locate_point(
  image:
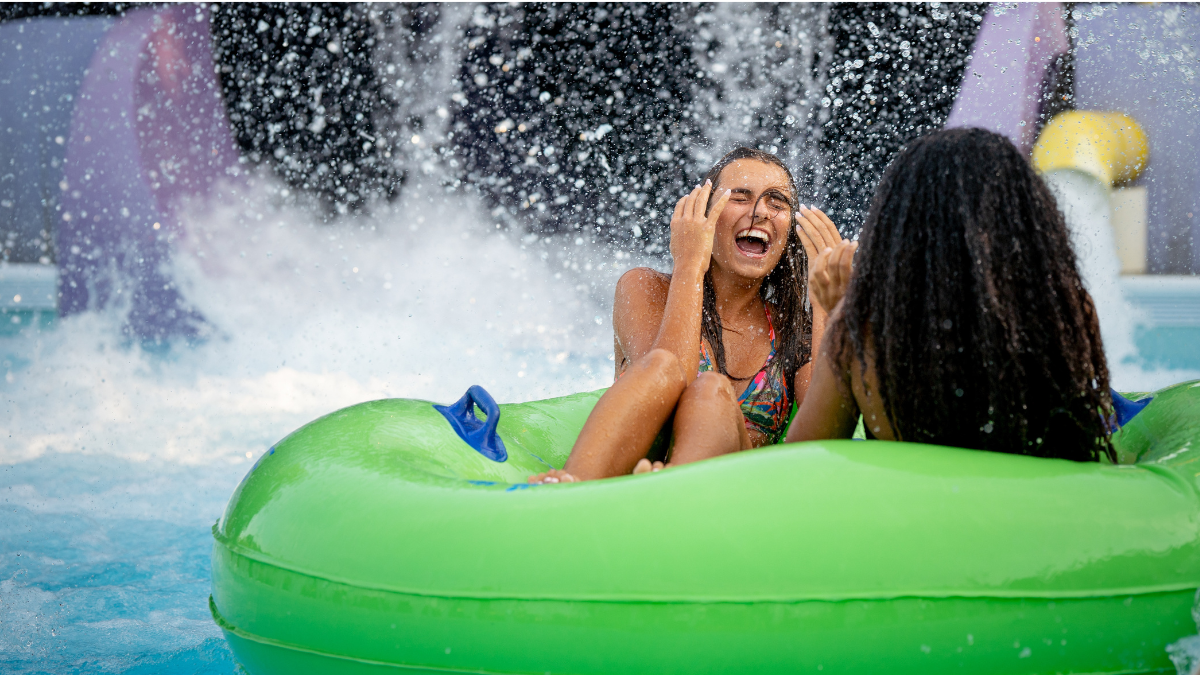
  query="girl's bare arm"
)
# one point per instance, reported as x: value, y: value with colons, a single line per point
x: 817, y: 233
x: 828, y: 409
x: 652, y: 311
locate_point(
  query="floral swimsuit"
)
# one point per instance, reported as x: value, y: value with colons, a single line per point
x: 765, y: 402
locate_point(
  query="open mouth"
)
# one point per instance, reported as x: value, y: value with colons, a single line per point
x: 753, y: 243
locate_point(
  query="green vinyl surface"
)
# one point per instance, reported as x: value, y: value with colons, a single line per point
x: 374, y: 539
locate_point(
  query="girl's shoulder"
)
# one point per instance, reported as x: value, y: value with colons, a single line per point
x: 644, y: 275
x: 643, y: 284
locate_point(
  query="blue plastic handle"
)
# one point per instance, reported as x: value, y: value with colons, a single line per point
x: 477, y: 433
x: 1125, y: 409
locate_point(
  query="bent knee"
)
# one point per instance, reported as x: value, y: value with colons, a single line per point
x: 710, y: 385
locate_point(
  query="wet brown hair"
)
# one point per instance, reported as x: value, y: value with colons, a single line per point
x: 785, y: 287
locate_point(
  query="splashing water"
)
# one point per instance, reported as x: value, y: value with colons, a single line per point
x: 116, y: 460
x: 1185, y: 653
x: 1084, y: 202
x: 763, y: 94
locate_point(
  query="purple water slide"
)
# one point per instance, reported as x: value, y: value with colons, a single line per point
x: 149, y: 132
x: 1002, y: 86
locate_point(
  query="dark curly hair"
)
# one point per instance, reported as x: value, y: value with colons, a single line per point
x: 785, y: 287
x: 966, y: 295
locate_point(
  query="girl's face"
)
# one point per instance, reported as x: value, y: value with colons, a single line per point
x: 753, y: 229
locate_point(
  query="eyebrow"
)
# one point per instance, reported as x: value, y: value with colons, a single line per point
x: 769, y: 192
x: 766, y: 191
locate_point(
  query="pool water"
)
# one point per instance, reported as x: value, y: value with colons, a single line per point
x: 104, y: 562
x: 116, y: 458
x: 1168, y: 328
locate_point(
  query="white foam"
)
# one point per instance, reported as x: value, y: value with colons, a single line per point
x: 115, y: 461
x: 1185, y: 654
x: 420, y: 300
x: 1085, y: 204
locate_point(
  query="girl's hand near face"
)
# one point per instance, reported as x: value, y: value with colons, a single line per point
x: 817, y: 232
x: 830, y: 275
x: 692, y: 231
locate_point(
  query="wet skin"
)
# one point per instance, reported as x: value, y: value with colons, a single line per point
x: 831, y: 409
x: 739, y: 229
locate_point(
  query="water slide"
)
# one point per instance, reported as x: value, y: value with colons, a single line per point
x: 1014, y: 52
x: 147, y: 132
x: 1091, y: 158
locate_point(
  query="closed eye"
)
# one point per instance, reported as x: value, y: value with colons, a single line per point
x: 777, y: 200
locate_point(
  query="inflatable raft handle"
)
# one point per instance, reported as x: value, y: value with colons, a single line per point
x: 1126, y: 409
x: 477, y: 433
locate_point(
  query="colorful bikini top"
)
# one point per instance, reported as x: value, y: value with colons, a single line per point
x: 765, y: 402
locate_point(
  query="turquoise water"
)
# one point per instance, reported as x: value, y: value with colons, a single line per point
x: 104, y: 567
x: 1169, y: 347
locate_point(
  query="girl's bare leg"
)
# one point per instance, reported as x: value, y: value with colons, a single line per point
x: 626, y: 420
x: 708, y: 421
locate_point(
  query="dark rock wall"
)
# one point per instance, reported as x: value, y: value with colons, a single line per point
x: 582, y: 117
x: 894, y: 76
x: 578, y: 117
x: 302, y: 95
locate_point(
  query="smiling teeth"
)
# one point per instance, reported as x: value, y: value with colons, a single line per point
x: 755, y: 234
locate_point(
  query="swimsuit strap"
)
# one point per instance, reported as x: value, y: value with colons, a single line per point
x: 706, y: 363
x: 706, y: 360
x: 765, y: 402
x: 771, y: 327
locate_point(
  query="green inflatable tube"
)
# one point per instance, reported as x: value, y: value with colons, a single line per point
x: 375, y: 540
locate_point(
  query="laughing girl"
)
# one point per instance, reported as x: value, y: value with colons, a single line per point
x: 711, y: 357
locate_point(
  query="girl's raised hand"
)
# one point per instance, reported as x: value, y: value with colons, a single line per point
x: 830, y: 275
x: 817, y: 232
x: 692, y: 230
